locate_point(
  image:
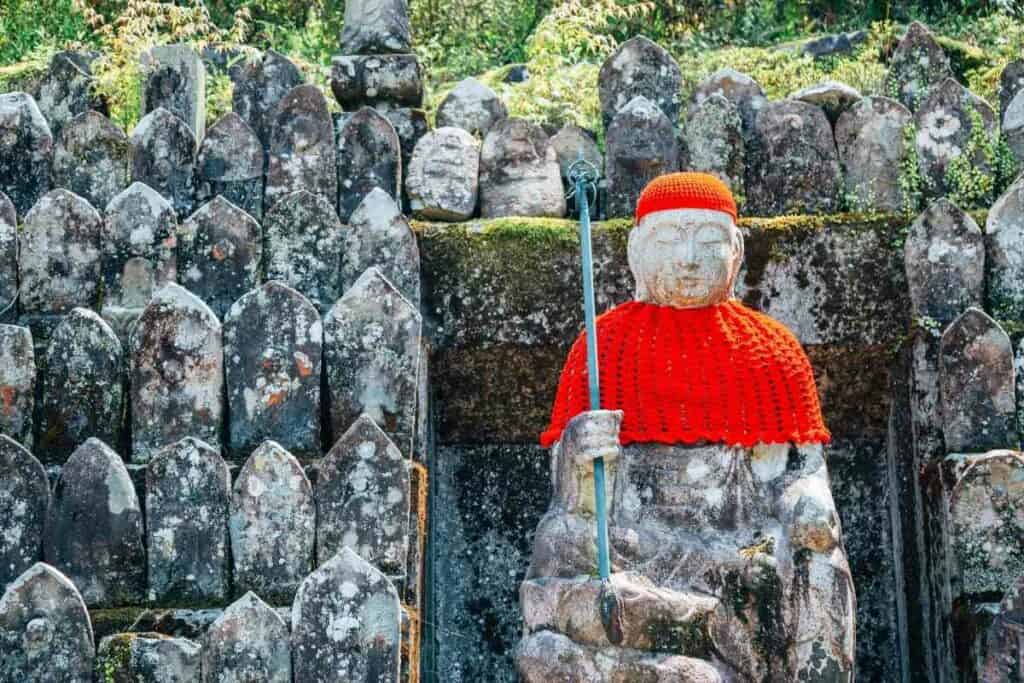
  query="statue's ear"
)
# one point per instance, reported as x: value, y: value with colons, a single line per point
x: 632, y: 244
x: 738, y: 249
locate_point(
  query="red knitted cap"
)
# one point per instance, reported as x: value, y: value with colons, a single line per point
x: 685, y: 190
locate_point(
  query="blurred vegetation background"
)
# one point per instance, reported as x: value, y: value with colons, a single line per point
x: 561, y: 42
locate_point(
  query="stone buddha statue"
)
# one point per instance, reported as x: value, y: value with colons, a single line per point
x: 726, y: 548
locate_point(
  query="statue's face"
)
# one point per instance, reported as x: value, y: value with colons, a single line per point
x: 686, y: 258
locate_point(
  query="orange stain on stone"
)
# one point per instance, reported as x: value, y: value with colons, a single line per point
x: 7, y: 395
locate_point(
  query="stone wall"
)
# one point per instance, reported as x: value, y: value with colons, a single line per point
x: 321, y: 348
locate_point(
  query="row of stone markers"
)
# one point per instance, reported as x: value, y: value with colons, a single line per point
x: 205, y: 539
x: 955, y: 428
x: 344, y: 625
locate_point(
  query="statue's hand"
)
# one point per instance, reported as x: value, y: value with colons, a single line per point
x: 593, y: 434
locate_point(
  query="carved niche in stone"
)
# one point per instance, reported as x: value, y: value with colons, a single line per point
x: 726, y: 549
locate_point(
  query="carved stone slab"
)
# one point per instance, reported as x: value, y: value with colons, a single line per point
x: 140, y: 238
x: 371, y: 347
x: 794, y: 167
x: 174, y: 78
x: 373, y: 26
x: 384, y: 80
x: 1004, y: 254
x: 640, y: 145
x: 273, y: 346
x: 869, y: 137
x: 976, y: 384
x: 369, y: 156
x: 249, y: 642
x: 304, y: 246
x: 24, y: 497
x: 163, y: 154
x: 230, y: 163
x: 301, y: 146
x: 740, y: 89
x: 90, y: 158
x: 94, y: 528
x: 67, y: 89
x: 26, y: 149
x: 60, y: 254
x: 944, y: 127
x: 272, y: 524
x: 45, y: 633
x: 471, y: 106
x: 519, y: 174
x: 944, y: 258
x: 17, y: 383
x: 176, y: 373
x: 380, y: 236
x: 917, y: 64
x: 8, y: 259
x: 187, y: 497
x: 713, y: 141
x: 346, y: 622
x: 987, y: 523
x: 639, y: 67
x: 442, y: 180
x: 83, y: 388
x: 148, y: 657
x: 362, y: 496
x: 220, y: 251
x: 260, y: 85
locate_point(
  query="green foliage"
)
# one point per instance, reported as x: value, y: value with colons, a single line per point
x: 35, y: 29
x: 911, y: 182
x: 982, y: 170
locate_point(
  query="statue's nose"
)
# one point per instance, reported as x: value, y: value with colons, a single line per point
x: 686, y: 253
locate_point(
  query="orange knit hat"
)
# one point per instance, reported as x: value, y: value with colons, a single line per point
x: 685, y: 190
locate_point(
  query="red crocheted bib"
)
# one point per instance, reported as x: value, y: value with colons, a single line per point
x: 720, y: 374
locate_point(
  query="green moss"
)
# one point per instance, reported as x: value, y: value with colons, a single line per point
x: 689, y: 639
x: 115, y: 661
x: 114, y: 620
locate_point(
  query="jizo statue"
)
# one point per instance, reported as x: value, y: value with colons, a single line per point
x: 726, y: 550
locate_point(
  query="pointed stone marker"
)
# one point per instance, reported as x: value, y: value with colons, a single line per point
x: 976, y: 385
x: 230, y: 164
x: 187, y: 500
x: 90, y: 158
x: 273, y: 346
x: 260, y: 86
x: 45, y: 634
x: 301, y: 154
x: 369, y: 156
x: 83, y: 389
x: 917, y: 64
x: 639, y: 67
x: 944, y: 258
x: 26, y: 150
x: 17, y: 383
x: 519, y: 174
x: 140, y: 255
x: 130, y: 657
x: 304, y: 246
x: 362, y: 496
x: 640, y: 146
x: 346, y: 622
x: 94, y: 528
x: 713, y: 141
x: 380, y: 236
x: 944, y: 127
x: 60, y: 254
x: 471, y: 106
x: 8, y: 259
x: 220, y: 252
x: 249, y: 642
x: 1004, y: 254
x: 740, y: 89
x: 163, y: 154
x: 272, y: 524
x: 375, y: 26
x: 794, y: 168
x: 24, y: 497
x: 67, y: 90
x: 986, y: 526
x: 869, y: 138
x: 371, y: 347
x: 443, y: 177
x: 174, y: 78
x: 177, y: 373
